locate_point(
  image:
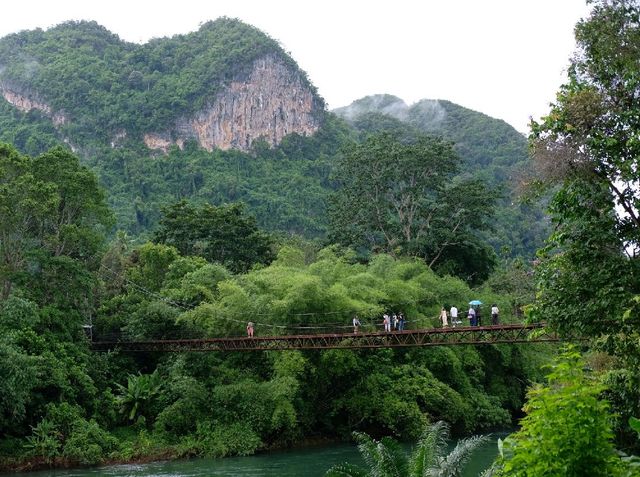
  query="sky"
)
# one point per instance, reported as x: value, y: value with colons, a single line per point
x: 505, y: 58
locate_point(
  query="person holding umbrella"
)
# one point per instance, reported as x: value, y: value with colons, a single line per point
x: 475, y: 306
x: 472, y: 316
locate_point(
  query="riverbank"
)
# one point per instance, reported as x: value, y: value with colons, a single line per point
x: 311, y: 461
x: 160, y: 454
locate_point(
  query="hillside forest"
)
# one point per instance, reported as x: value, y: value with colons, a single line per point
x: 385, y: 208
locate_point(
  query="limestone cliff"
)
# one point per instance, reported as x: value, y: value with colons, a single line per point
x: 26, y: 103
x: 269, y: 103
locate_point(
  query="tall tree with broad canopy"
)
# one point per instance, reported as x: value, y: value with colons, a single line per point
x: 589, y: 145
x: 588, y: 149
x: 54, y: 219
x: 400, y: 197
x: 224, y: 234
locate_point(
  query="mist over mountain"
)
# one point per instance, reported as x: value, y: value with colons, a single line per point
x: 219, y: 115
x: 490, y: 148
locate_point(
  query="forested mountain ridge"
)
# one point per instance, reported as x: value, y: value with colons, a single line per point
x: 491, y: 150
x: 220, y: 115
x: 225, y: 85
x: 168, y: 119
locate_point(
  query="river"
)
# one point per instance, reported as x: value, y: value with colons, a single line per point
x: 307, y: 462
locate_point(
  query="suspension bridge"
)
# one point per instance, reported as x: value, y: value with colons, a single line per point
x: 462, y: 335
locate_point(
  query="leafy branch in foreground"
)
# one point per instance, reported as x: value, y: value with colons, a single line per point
x: 385, y: 458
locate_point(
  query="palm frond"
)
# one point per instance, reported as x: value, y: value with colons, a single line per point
x: 490, y: 472
x: 368, y: 448
x: 452, y: 464
x: 384, y: 458
x: 346, y: 470
x: 429, y: 449
x: 393, y: 462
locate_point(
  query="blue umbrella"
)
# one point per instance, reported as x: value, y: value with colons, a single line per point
x: 475, y: 302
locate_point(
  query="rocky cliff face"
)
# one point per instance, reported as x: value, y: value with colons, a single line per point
x: 268, y: 103
x: 25, y: 103
x: 271, y: 102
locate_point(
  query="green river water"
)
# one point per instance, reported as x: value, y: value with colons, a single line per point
x: 311, y: 462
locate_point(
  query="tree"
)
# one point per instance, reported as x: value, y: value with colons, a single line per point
x: 224, y: 234
x: 23, y: 203
x: 385, y: 458
x: 567, y: 431
x: 588, y: 144
x: 54, y: 220
x: 587, y: 149
x: 400, y: 198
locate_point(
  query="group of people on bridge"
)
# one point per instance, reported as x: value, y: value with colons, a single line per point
x: 474, y: 315
x: 397, y: 321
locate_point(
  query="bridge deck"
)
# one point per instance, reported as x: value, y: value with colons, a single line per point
x: 463, y: 335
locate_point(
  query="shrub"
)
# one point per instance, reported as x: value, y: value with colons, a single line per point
x: 567, y: 430
x: 88, y: 443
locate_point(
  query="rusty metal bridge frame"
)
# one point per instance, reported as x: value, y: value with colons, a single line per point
x: 464, y: 335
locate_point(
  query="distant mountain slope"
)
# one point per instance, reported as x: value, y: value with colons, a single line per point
x: 225, y: 85
x: 480, y: 139
x: 179, y: 117
x: 490, y: 149
x: 218, y: 115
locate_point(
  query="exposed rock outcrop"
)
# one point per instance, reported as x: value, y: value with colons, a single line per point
x: 26, y: 104
x: 271, y: 102
x: 157, y: 141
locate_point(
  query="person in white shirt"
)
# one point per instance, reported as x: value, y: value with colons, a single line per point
x: 494, y: 314
x: 453, y: 312
x: 472, y: 316
x: 386, y: 320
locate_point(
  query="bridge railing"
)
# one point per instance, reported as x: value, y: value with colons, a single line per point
x: 510, y: 333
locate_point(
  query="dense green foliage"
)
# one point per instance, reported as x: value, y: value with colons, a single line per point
x: 567, y: 431
x: 401, y: 198
x: 385, y: 458
x: 214, y: 269
x: 588, y: 149
x: 224, y: 234
x: 53, y: 223
x: 491, y: 152
x: 62, y: 404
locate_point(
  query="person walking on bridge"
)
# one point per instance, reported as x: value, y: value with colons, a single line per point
x: 453, y: 313
x: 495, y: 312
x: 356, y: 323
x: 401, y: 322
x: 250, y: 329
x: 386, y: 321
x: 443, y: 317
x: 472, y: 316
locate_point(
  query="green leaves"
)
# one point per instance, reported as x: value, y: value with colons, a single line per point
x: 53, y: 210
x: 224, y: 234
x: 398, y: 197
x: 138, y: 397
x: 634, y: 423
x: 386, y: 458
x: 567, y: 428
